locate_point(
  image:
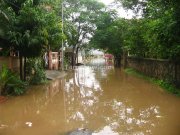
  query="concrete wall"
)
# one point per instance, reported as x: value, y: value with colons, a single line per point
x: 11, y: 62
x: 160, y: 69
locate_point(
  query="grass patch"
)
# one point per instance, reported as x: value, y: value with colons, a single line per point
x: 163, y: 84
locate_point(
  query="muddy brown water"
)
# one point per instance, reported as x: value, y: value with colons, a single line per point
x: 98, y: 97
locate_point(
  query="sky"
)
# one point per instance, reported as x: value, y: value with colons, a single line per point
x: 122, y: 13
x: 106, y: 1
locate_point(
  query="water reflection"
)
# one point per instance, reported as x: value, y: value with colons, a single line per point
x: 82, y: 91
x: 93, y: 97
x: 128, y: 118
x: 83, y: 103
x: 107, y: 130
x: 25, y: 114
x: 100, y: 98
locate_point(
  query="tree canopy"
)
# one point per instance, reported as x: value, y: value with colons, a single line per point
x: 160, y: 27
x: 29, y: 26
x: 32, y: 26
x: 80, y: 21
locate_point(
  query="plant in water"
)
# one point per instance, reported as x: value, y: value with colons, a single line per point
x: 10, y: 84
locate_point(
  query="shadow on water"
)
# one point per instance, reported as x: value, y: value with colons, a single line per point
x: 97, y: 97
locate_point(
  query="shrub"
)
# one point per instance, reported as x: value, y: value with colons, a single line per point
x: 10, y: 83
x: 36, y: 71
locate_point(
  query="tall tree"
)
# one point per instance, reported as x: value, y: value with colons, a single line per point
x: 109, y: 36
x: 162, y: 21
x: 80, y: 17
x: 162, y: 18
x: 26, y: 34
x: 53, y: 25
x: 32, y: 28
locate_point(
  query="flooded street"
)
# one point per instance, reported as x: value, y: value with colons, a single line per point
x: 96, y: 96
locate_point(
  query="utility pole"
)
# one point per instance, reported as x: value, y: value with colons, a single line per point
x: 62, y: 47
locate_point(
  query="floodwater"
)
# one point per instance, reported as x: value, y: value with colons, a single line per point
x: 98, y: 97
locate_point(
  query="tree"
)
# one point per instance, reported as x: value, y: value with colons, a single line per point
x: 2, y: 13
x: 6, y: 16
x: 26, y: 34
x: 80, y: 17
x: 30, y: 35
x: 53, y: 25
x: 162, y: 19
x: 134, y: 34
x: 109, y: 36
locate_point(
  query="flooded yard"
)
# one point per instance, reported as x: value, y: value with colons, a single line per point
x: 97, y: 97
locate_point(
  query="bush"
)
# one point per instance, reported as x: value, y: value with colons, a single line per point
x: 10, y: 83
x: 36, y: 71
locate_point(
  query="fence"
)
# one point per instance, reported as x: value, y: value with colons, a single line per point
x: 157, y: 68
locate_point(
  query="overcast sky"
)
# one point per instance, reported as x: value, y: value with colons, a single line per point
x: 122, y: 13
x: 106, y: 1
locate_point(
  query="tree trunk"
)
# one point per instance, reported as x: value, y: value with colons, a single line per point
x: 72, y: 63
x: 25, y: 68
x: 77, y: 50
x: 176, y: 74
x: 73, y: 57
x: 124, y: 59
x: 117, y: 61
x: 21, y: 67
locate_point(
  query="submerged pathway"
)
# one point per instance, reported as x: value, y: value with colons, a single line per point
x: 54, y: 74
x: 96, y: 98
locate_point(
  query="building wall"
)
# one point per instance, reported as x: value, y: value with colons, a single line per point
x: 11, y: 62
x: 53, y: 60
x: 160, y: 69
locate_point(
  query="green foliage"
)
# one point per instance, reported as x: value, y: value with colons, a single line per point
x: 156, y: 34
x: 6, y: 16
x: 168, y: 86
x: 32, y: 27
x: 162, y: 83
x: 26, y: 34
x: 133, y: 37
x: 52, y: 24
x: 108, y: 35
x: 38, y: 77
x: 10, y: 84
x: 80, y: 17
x: 67, y: 62
x: 36, y: 71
